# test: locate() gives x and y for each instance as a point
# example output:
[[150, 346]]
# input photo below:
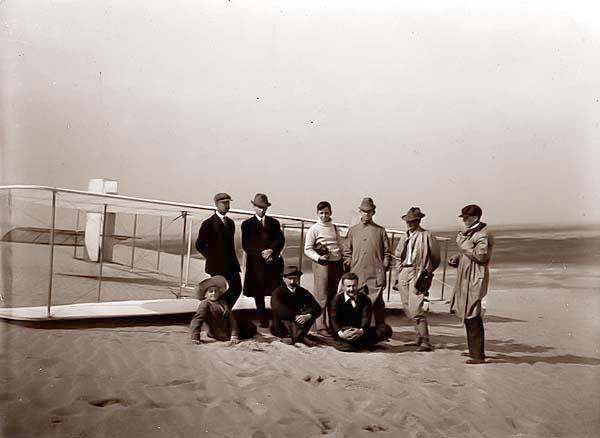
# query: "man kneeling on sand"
[[214, 310], [294, 309], [351, 317]]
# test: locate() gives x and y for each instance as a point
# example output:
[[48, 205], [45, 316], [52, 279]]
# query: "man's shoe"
[[416, 343], [308, 342], [287, 341], [465, 354], [425, 346], [475, 361]]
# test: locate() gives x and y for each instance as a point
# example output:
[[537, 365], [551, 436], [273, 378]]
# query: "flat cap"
[[222, 197], [471, 210]]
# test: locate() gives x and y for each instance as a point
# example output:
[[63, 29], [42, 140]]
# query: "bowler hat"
[[367, 204], [261, 200], [471, 210], [292, 271], [218, 280], [222, 197], [413, 214]]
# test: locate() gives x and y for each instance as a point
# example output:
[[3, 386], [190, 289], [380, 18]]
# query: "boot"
[[424, 335]]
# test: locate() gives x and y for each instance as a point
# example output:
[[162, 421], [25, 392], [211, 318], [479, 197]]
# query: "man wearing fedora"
[[294, 309], [417, 257], [216, 313], [475, 245], [216, 243], [262, 240], [367, 254]]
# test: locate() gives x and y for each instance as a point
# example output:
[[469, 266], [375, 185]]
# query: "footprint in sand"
[[101, 403], [178, 382]]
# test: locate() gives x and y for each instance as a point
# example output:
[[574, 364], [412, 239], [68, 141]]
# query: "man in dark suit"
[[294, 309], [263, 241], [216, 243], [351, 317]]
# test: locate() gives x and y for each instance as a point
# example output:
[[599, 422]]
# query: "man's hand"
[[323, 259], [267, 254], [355, 334], [302, 319], [453, 261]]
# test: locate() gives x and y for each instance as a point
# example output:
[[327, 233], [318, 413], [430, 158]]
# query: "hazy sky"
[[434, 104]]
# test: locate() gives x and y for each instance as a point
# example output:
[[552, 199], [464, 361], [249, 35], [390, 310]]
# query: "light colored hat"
[[261, 200], [413, 214], [218, 280], [367, 204]]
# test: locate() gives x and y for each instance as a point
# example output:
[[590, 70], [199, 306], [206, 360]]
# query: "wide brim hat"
[[261, 200], [471, 210], [413, 214], [218, 280], [367, 204], [292, 271]]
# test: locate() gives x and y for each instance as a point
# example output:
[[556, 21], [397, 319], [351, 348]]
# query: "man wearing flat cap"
[[263, 241], [216, 243], [475, 245], [367, 254], [417, 256], [294, 309], [215, 312]]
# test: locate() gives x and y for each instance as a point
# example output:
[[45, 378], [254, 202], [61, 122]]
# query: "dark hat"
[[222, 197], [471, 210], [218, 280], [367, 204], [413, 214], [261, 200], [292, 271]]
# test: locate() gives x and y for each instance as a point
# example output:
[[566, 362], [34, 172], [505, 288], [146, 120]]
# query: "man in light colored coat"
[[367, 254], [475, 245], [416, 253]]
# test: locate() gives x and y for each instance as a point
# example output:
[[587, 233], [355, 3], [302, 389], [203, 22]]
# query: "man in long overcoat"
[[367, 254], [263, 241], [416, 253], [474, 251], [216, 243]]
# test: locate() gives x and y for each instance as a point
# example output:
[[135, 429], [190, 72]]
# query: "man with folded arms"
[[417, 256], [472, 278], [351, 317], [294, 309], [216, 243], [367, 254]]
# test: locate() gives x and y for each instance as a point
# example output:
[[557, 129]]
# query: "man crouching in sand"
[[351, 317], [294, 309], [215, 311]]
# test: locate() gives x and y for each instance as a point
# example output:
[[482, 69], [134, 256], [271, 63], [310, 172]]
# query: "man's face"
[[291, 282], [350, 287], [260, 211], [469, 221], [212, 293], [413, 225], [366, 216], [223, 206], [324, 214]]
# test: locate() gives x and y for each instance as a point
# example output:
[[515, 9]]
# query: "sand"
[[124, 379]]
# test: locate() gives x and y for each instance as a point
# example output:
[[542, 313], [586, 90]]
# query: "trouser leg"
[[196, 325], [476, 337], [423, 333], [321, 277], [261, 310], [379, 310], [235, 288], [300, 331]]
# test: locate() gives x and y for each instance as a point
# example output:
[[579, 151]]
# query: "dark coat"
[[343, 315], [261, 277], [216, 243], [221, 321], [286, 306]]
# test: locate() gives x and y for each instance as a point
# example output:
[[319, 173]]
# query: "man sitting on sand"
[[294, 309], [351, 316], [215, 311]]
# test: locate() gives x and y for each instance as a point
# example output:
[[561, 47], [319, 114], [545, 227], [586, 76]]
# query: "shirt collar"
[[261, 219], [292, 290], [221, 216], [475, 225], [348, 298]]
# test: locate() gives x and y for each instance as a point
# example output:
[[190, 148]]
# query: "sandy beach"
[[145, 378]]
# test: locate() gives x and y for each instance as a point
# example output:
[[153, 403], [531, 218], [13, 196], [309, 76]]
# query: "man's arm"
[[365, 320], [278, 241], [335, 324], [199, 318], [309, 245], [480, 252], [203, 239], [387, 254], [434, 253], [249, 241], [348, 249], [311, 304]]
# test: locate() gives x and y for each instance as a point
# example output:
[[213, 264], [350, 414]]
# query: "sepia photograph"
[[299, 218]]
